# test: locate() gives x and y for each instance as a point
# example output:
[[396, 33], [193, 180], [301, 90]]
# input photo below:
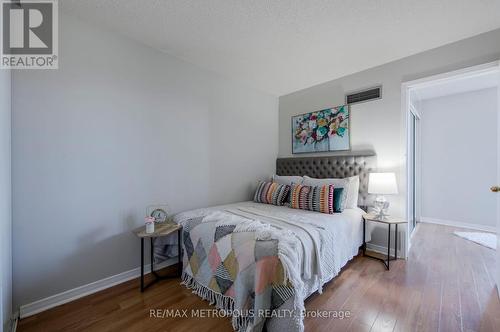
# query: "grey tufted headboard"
[[338, 166]]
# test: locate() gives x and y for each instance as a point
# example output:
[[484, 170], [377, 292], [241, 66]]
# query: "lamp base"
[[380, 207]]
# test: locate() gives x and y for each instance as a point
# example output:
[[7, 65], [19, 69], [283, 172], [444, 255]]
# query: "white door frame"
[[407, 109], [413, 110], [498, 194]]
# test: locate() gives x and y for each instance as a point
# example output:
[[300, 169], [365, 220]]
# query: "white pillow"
[[352, 196], [289, 180], [350, 185]]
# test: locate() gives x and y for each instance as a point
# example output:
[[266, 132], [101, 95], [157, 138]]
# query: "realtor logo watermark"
[[29, 34]]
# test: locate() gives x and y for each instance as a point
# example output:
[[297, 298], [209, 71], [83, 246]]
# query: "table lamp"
[[382, 184]]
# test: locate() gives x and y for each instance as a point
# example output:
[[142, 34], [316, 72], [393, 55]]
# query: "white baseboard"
[[458, 224], [81, 291], [383, 250]]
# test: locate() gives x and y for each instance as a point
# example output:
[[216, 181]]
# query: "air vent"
[[363, 96]]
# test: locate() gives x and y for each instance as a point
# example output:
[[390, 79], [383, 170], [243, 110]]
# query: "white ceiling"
[[461, 85], [284, 46]]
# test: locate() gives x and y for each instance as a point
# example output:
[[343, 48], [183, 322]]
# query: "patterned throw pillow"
[[319, 199], [271, 193]]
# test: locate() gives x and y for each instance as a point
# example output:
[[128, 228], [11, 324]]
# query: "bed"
[[259, 262]]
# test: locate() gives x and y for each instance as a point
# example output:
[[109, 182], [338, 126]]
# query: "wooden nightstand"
[[161, 229], [389, 221]]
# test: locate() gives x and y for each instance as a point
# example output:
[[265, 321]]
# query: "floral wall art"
[[325, 130]]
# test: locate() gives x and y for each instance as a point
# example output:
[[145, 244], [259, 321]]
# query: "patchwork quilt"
[[244, 267]]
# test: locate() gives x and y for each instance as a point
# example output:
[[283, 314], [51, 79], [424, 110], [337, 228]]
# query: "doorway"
[[424, 106]]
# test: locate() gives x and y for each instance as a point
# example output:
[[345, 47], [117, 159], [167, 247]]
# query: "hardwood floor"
[[446, 285]]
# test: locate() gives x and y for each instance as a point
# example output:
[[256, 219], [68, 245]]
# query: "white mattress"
[[345, 228]]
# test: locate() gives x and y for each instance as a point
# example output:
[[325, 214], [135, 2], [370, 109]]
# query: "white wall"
[[379, 124], [5, 201], [459, 158], [117, 127]]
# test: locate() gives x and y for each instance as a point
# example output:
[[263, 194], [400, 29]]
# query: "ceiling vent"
[[364, 95]]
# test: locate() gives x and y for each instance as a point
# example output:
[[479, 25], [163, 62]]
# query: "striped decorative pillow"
[[319, 199], [271, 193]]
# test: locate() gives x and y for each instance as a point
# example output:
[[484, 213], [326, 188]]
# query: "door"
[[413, 122], [411, 178]]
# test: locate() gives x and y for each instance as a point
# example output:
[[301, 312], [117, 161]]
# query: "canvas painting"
[[325, 130]]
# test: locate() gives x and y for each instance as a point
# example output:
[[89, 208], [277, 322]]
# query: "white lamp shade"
[[382, 184]]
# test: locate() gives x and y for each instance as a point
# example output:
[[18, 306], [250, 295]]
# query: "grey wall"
[[458, 159], [118, 127], [5, 200], [379, 124]]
